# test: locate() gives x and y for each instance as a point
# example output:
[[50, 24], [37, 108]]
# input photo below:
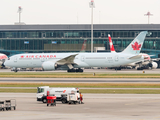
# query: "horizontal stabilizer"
[[136, 57], [152, 55]]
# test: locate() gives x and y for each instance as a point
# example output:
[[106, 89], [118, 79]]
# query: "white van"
[[60, 93]]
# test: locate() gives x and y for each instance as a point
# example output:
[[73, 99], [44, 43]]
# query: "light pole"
[[92, 5], [19, 11]]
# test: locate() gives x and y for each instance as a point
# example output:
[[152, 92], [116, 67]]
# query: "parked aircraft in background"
[[73, 62], [139, 65], [3, 57], [83, 49]]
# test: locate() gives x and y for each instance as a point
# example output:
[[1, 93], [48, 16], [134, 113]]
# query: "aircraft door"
[[82, 58], [15, 59], [116, 58]]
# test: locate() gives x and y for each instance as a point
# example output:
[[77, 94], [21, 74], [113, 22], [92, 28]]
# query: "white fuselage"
[[81, 60]]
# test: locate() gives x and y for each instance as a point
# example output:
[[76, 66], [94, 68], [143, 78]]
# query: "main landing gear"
[[140, 68], [75, 70]]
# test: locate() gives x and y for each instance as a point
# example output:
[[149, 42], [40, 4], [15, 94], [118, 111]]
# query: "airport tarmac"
[[125, 71], [95, 107]]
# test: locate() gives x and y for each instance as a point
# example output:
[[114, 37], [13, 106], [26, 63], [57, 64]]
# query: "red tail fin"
[[84, 46], [111, 43]]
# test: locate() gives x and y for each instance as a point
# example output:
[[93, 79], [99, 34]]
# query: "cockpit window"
[[40, 90]]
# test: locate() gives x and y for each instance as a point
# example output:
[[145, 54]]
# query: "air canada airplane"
[[139, 65], [73, 62]]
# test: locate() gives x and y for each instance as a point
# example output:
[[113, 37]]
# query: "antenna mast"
[[148, 14]]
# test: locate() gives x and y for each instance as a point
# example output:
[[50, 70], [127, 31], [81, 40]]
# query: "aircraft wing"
[[135, 57], [67, 60], [155, 59]]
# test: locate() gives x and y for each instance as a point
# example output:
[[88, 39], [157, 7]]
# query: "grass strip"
[[19, 90], [74, 75], [84, 85], [119, 91], [104, 91]]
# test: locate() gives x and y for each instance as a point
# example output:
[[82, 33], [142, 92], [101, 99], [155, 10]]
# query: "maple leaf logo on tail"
[[136, 46]]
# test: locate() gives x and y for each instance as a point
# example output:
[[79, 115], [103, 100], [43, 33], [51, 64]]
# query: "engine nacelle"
[[48, 66], [150, 64], [154, 65]]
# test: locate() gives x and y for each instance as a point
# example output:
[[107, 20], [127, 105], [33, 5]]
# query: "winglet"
[[135, 46], [111, 44]]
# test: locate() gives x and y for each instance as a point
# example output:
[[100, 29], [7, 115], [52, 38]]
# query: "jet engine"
[[154, 65], [48, 66]]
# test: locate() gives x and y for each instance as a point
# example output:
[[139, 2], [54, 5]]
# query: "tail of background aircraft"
[[135, 46], [111, 44], [83, 49]]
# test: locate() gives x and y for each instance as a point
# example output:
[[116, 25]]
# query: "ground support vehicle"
[[2, 108], [8, 105], [72, 98], [51, 100], [60, 93]]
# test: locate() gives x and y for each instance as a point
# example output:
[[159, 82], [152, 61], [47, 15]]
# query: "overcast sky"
[[78, 11]]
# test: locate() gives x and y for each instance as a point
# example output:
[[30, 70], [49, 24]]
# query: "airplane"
[[83, 49], [73, 62], [140, 65], [3, 57]]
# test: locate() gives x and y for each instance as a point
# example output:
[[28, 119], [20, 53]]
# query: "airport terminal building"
[[16, 39]]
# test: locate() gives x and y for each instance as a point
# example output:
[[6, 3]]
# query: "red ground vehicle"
[[51, 100]]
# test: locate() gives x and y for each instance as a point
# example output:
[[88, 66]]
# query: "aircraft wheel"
[[119, 68], [73, 70], [77, 70], [81, 70]]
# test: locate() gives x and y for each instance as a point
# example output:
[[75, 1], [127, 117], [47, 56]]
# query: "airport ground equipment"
[[72, 98], [8, 105], [51, 100], [2, 108], [60, 93]]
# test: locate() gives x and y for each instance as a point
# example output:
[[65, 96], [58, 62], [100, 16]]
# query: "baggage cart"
[[51, 100]]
